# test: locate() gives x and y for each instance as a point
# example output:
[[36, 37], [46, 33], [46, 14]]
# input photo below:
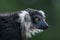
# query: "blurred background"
[[50, 7]]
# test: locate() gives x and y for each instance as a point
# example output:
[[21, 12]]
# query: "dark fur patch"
[[10, 28]]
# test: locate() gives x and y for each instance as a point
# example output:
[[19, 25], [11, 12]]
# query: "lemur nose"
[[44, 27]]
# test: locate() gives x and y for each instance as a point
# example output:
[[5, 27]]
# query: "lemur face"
[[38, 18]]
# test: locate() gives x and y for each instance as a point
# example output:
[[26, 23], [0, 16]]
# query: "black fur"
[[10, 28]]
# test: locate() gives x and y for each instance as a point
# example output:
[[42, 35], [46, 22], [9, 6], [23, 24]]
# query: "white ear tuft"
[[42, 13]]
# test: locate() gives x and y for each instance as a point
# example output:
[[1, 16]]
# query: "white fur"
[[34, 31], [23, 22], [42, 13]]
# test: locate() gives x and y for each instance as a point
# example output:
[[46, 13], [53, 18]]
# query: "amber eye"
[[37, 20]]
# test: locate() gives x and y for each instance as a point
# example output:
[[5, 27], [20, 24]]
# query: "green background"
[[50, 7]]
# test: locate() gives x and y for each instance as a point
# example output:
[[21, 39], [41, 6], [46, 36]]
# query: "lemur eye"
[[37, 20]]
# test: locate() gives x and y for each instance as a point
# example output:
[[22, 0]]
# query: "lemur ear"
[[42, 12]]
